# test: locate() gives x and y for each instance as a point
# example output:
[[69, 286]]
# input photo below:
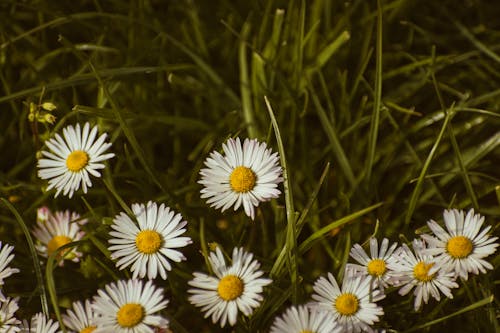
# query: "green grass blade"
[[34, 256], [377, 103], [246, 95], [418, 186], [291, 233], [471, 307], [306, 244]]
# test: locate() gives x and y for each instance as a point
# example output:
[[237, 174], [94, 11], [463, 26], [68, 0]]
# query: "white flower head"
[[60, 229], [246, 175], [376, 264], [303, 319], [149, 244], [353, 307], [73, 159], [463, 245], [129, 306], [40, 324], [5, 271], [235, 287], [420, 270], [81, 318], [9, 323]]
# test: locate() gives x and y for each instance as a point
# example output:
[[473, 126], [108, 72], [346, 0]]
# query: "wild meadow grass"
[[384, 113]]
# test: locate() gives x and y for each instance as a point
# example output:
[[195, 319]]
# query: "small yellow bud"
[[49, 118], [49, 106]]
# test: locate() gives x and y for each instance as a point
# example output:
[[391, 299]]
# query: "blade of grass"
[[246, 96], [306, 244], [337, 148], [291, 234], [374, 124], [471, 307], [34, 256], [54, 258], [418, 186]]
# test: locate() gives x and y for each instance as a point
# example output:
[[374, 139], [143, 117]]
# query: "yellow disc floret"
[[242, 179], [347, 304], [130, 315], [306, 331], [56, 242], [459, 247], [230, 287], [148, 241], [88, 329], [421, 271], [77, 160], [376, 267]]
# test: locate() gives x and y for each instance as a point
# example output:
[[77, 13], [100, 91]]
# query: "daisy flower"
[[353, 307], [149, 244], [374, 265], [303, 319], [5, 271], [60, 229], [40, 324], [9, 323], [246, 175], [235, 287], [420, 270], [73, 158], [129, 307], [462, 246], [81, 318]]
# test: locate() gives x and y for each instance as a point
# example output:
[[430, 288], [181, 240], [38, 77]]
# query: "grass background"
[[388, 113]]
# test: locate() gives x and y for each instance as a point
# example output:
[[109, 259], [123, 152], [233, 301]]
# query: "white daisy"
[[5, 271], [374, 265], [246, 175], [462, 246], [150, 244], [81, 318], [303, 319], [9, 323], [60, 229], [420, 270], [234, 287], [73, 158], [129, 307], [40, 324], [353, 307]]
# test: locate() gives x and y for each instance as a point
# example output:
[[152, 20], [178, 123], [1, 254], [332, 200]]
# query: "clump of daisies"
[[148, 243], [72, 158], [55, 230], [129, 306], [462, 247], [236, 287], [353, 306], [245, 176]]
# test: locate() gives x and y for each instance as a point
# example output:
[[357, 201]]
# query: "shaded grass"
[[401, 99]]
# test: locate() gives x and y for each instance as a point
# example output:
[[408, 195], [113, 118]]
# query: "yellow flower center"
[[56, 242], [347, 304], [77, 160], [306, 331], [130, 315], [242, 179], [148, 241], [230, 287], [459, 247], [421, 271], [88, 329], [376, 267]]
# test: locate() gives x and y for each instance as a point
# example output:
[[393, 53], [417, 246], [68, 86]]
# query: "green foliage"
[[401, 99]]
